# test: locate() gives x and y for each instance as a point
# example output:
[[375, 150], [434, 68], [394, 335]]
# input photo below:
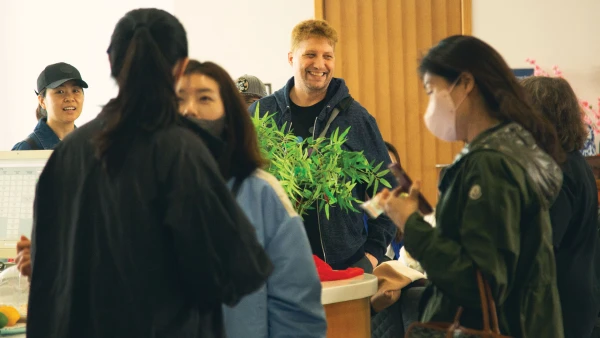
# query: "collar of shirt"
[[46, 136]]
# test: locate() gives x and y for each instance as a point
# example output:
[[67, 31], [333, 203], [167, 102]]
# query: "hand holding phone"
[[404, 184], [373, 207]]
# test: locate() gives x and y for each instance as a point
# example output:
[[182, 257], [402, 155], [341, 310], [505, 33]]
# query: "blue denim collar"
[[44, 135]]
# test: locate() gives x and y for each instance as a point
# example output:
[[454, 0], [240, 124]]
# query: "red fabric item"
[[326, 273]]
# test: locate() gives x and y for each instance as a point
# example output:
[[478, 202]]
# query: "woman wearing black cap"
[[60, 96]]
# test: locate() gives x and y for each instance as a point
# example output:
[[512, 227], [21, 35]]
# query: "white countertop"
[[348, 289], [336, 291]]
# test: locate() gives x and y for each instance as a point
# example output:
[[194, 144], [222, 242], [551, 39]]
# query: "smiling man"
[[309, 100]]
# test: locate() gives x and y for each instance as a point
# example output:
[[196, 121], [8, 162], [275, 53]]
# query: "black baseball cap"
[[56, 74]]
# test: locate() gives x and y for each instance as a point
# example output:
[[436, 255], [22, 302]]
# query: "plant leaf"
[[385, 183]]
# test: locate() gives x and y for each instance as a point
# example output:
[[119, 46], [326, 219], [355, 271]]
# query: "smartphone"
[[404, 184]]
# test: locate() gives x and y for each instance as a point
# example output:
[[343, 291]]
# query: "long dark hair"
[[555, 98], [241, 155], [503, 94], [144, 49]]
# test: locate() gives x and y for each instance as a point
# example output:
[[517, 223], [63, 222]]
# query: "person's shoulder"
[[178, 136], [23, 145], [577, 172], [490, 159], [270, 187], [269, 99], [267, 104], [358, 112], [179, 144], [496, 166], [359, 118], [81, 137], [85, 131], [342, 99]]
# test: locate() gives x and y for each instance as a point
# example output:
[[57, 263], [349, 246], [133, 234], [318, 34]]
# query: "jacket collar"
[[45, 134], [336, 92]]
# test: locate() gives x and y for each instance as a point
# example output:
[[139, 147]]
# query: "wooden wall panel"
[[380, 43]]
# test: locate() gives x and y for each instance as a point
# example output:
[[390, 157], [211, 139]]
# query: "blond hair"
[[313, 28]]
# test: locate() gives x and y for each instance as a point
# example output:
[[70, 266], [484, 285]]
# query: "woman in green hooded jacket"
[[492, 213]]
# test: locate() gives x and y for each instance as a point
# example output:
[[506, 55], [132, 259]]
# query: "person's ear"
[[41, 101], [467, 81]]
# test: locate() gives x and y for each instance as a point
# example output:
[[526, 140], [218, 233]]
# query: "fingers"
[[397, 191], [24, 266], [23, 261], [24, 243], [25, 269], [384, 194], [26, 253]]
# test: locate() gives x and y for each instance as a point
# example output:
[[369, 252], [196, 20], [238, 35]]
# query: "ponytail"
[[146, 101], [40, 112]]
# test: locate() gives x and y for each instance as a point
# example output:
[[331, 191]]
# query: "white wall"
[[244, 36], [253, 37], [32, 38], [553, 32]]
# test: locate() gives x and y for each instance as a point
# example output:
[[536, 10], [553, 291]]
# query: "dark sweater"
[[344, 237], [574, 218]]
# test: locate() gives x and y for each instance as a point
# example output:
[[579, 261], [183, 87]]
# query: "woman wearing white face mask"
[[492, 214]]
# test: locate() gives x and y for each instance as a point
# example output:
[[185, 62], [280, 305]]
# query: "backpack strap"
[[32, 143], [333, 115], [343, 105]]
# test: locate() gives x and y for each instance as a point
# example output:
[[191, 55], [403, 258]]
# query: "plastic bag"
[[14, 290]]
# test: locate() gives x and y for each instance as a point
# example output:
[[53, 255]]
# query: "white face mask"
[[440, 117]]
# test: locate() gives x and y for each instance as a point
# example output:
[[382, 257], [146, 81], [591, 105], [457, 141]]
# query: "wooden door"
[[380, 42]]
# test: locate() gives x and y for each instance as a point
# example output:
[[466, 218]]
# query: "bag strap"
[[488, 308], [32, 143], [345, 103], [484, 301], [492, 306], [334, 114]]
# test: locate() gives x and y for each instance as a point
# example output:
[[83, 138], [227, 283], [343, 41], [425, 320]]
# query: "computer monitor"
[[19, 173]]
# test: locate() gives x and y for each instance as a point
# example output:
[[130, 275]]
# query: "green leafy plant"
[[316, 171]]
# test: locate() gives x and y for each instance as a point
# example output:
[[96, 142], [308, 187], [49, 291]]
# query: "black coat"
[[574, 218], [151, 252]]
